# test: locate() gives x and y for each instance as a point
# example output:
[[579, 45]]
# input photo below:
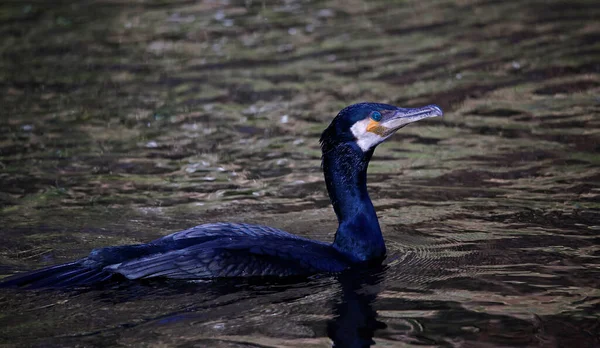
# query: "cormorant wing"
[[228, 229], [237, 257]]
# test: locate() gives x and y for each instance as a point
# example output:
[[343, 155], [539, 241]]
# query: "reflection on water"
[[355, 319], [122, 122]]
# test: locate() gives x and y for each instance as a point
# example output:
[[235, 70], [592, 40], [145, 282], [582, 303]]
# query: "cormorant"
[[242, 250]]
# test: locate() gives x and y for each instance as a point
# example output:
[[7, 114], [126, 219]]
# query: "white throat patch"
[[365, 140]]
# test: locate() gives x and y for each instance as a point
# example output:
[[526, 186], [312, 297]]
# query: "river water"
[[123, 121]]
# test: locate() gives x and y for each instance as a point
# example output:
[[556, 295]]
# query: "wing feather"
[[226, 229], [236, 257]]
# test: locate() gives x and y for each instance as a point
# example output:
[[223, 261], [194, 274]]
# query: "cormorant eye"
[[376, 116]]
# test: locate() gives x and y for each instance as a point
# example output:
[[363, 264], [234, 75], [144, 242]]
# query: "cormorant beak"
[[396, 119]]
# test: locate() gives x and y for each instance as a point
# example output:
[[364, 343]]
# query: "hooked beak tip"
[[436, 110]]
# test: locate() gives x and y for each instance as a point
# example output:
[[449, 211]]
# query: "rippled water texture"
[[122, 121]]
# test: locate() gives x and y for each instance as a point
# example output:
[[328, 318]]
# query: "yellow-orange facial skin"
[[377, 128], [369, 133]]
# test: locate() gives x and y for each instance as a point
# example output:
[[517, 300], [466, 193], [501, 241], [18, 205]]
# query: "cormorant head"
[[369, 124]]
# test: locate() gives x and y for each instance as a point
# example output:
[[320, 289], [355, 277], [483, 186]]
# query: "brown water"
[[123, 121]]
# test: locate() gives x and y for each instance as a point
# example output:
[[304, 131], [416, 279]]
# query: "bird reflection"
[[355, 319]]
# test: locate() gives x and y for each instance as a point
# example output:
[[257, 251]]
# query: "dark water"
[[122, 121]]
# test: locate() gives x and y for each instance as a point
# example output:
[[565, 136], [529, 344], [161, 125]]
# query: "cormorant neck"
[[358, 235]]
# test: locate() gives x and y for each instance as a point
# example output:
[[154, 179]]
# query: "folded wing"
[[236, 257]]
